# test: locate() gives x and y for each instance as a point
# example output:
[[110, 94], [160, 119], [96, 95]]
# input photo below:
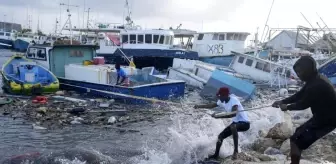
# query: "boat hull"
[[239, 87], [160, 59], [161, 91], [6, 44], [218, 60], [20, 45], [13, 82]]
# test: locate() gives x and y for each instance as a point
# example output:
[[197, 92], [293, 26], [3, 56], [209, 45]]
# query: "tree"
[[40, 33], [26, 30]]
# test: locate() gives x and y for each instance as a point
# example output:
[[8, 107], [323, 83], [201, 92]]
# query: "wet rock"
[[262, 133], [42, 110], [76, 111], [260, 145], [112, 120], [272, 151], [285, 147], [60, 93], [281, 130]]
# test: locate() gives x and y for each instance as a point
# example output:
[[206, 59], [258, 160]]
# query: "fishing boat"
[[70, 63], [328, 69], [23, 76]]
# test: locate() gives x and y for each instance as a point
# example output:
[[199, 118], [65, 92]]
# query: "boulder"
[[285, 147], [260, 145], [282, 130]]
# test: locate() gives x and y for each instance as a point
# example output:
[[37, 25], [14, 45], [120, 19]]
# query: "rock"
[[260, 145], [262, 133], [261, 157], [112, 120], [285, 147], [75, 122], [60, 93], [281, 130], [41, 110], [272, 151]]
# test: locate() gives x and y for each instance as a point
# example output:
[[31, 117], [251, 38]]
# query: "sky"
[[199, 15]]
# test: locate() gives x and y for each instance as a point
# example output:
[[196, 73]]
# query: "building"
[[8, 26]]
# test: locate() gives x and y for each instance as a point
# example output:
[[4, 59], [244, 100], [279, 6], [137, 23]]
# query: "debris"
[[112, 120], [69, 99]]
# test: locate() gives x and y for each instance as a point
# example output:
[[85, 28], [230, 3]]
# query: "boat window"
[[1, 33], [125, 38], [171, 40], [249, 62], [259, 66], [155, 38], [31, 36], [140, 38], [148, 38], [241, 59], [166, 40], [215, 36], [236, 37], [7, 34], [242, 37], [161, 39], [31, 53], [267, 67], [41, 54], [132, 39], [200, 36], [221, 36], [229, 36], [26, 36], [19, 35]]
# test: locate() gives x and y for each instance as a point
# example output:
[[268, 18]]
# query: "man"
[[318, 94], [240, 122], [121, 73]]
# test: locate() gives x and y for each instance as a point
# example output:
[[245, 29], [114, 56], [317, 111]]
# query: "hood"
[[307, 66]]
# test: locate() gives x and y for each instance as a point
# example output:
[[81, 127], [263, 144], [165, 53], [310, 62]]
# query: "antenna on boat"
[[269, 13], [68, 21]]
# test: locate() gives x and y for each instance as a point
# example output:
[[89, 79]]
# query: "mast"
[[68, 22]]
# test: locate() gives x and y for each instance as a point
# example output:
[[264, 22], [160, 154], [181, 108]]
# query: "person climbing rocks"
[[240, 122], [318, 94], [121, 73]]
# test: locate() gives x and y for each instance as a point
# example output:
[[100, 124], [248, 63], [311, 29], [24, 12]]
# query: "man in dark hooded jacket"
[[318, 94]]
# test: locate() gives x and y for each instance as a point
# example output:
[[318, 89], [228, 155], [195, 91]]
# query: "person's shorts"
[[309, 132]]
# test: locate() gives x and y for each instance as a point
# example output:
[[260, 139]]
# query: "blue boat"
[[237, 85], [20, 45], [329, 70], [22, 76], [67, 63]]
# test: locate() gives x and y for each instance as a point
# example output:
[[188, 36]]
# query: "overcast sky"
[[200, 15]]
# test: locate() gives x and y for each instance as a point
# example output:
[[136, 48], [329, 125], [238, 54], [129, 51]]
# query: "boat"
[[70, 64], [147, 47], [215, 47], [23, 76], [328, 69], [210, 78], [6, 40]]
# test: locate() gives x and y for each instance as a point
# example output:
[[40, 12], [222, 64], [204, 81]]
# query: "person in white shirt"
[[240, 121]]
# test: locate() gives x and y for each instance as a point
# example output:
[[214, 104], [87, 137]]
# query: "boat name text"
[[216, 49]]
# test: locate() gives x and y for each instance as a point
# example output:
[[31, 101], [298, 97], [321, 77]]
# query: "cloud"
[[113, 10]]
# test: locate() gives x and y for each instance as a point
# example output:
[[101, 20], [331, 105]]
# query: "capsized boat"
[[23, 76]]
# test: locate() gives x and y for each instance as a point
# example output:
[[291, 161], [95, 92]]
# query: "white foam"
[[194, 136]]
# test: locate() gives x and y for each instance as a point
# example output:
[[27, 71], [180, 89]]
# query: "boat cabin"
[[6, 35], [138, 39], [219, 43], [260, 70]]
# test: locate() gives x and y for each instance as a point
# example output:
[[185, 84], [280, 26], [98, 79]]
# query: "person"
[[240, 123], [121, 74], [318, 94]]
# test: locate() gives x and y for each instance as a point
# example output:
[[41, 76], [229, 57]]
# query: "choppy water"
[[172, 139]]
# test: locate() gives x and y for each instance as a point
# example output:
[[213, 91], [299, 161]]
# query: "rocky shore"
[[273, 146]]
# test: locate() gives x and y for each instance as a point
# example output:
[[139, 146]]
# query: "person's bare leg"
[[295, 153], [235, 141]]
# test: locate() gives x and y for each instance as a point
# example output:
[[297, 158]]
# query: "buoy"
[[283, 92]]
